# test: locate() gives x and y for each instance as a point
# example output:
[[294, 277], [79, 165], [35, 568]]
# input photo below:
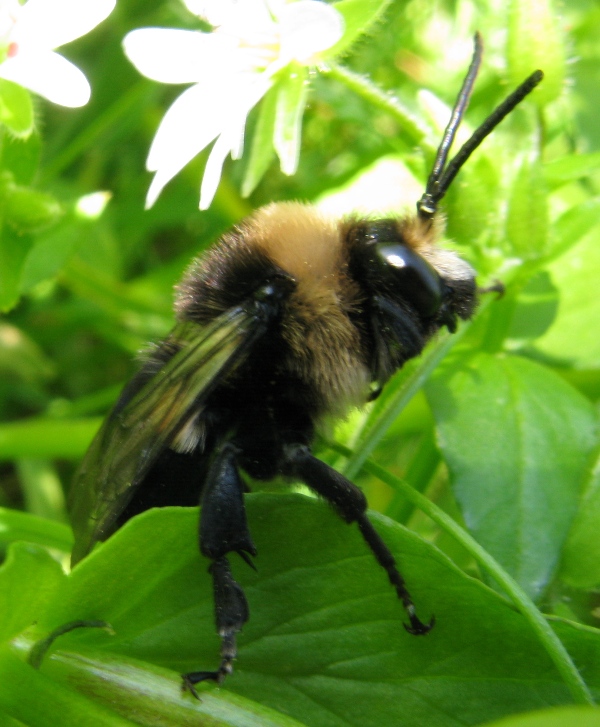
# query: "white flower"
[[231, 68], [28, 36]]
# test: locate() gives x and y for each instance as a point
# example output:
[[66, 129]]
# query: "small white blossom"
[[29, 34], [231, 68]]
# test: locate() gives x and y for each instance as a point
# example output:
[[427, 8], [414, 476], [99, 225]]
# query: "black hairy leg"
[[351, 504], [224, 529]]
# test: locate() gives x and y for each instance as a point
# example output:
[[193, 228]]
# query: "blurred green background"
[[85, 290]]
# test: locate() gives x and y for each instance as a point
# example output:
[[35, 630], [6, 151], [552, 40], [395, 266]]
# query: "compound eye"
[[418, 282]]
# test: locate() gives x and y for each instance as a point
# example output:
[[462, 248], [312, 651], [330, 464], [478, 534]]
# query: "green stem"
[[412, 129], [549, 640]]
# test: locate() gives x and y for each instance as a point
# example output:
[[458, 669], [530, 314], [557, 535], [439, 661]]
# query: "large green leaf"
[[29, 578], [325, 642], [517, 439], [16, 525], [573, 339]]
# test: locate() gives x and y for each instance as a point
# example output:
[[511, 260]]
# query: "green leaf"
[[324, 643], [16, 525], [536, 309], [29, 210], [262, 150], [55, 705], [527, 219], [29, 578], [16, 108], [516, 439], [580, 565], [573, 340], [151, 695], [291, 100], [359, 16], [22, 156], [557, 717], [13, 252], [535, 41], [51, 252], [572, 167]]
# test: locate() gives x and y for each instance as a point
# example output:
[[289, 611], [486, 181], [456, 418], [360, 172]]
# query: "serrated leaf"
[[16, 108], [359, 16], [516, 439], [535, 42], [325, 635]]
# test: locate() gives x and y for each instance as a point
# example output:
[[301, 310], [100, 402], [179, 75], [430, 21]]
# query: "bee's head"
[[413, 286], [398, 261]]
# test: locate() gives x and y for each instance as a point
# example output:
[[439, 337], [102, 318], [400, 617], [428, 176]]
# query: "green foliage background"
[[496, 425]]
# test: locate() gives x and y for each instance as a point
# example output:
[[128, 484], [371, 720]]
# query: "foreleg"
[[351, 504]]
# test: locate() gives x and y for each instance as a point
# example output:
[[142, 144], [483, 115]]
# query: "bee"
[[291, 318]]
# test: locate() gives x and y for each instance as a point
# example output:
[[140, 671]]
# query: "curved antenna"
[[439, 180], [428, 203], [486, 128]]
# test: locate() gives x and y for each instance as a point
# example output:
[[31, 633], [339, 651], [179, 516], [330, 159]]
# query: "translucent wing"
[[136, 432]]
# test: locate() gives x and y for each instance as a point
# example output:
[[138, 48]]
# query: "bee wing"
[[137, 431]]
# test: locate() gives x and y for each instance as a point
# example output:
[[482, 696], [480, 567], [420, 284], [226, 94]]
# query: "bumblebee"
[[291, 318]]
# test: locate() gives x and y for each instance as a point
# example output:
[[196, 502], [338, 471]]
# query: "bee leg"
[[351, 504], [224, 529]]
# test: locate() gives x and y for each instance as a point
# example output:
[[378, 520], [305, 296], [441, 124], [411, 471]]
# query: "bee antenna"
[[427, 205], [440, 179]]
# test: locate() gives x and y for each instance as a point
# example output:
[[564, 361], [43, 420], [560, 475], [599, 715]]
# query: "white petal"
[[232, 138], [309, 27], [50, 75], [212, 172], [194, 119], [202, 112], [179, 56], [52, 23]]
